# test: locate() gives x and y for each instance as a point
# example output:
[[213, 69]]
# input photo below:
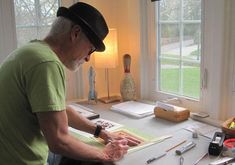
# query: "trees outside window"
[[33, 18], [179, 47]]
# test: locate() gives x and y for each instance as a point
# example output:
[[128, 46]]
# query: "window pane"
[[25, 12], [169, 75], [34, 18], [170, 10], [191, 79], [48, 11], [170, 40], [192, 9], [191, 47], [25, 34]]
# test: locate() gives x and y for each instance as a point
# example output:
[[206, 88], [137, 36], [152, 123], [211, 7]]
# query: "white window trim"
[[215, 59]]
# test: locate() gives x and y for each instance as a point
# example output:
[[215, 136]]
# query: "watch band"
[[98, 131]]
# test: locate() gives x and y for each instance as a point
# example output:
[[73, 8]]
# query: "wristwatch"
[[98, 131]]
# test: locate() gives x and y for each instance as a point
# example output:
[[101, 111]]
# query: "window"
[[215, 60], [179, 47], [34, 18]]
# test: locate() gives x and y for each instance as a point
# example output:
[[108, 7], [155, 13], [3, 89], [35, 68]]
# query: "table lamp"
[[108, 59]]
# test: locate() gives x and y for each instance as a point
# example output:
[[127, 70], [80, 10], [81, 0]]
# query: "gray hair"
[[60, 27]]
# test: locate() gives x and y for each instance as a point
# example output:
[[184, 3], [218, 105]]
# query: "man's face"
[[83, 50]]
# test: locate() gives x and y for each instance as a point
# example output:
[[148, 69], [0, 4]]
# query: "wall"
[[232, 53], [74, 83], [221, 100], [124, 16]]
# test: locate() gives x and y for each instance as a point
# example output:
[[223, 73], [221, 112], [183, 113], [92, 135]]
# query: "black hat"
[[90, 20]]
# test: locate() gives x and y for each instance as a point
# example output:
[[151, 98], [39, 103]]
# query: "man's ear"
[[75, 32]]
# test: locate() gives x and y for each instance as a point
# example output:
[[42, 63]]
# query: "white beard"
[[76, 65]]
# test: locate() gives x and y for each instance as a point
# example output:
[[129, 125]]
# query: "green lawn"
[[190, 84]]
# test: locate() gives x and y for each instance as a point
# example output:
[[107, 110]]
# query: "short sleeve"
[[45, 87]]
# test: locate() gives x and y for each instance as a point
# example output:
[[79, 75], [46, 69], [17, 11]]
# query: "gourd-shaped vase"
[[127, 87]]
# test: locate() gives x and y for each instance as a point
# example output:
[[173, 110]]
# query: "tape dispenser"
[[216, 145]]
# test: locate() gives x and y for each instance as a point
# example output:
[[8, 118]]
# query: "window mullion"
[[181, 46], [38, 15], [159, 49]]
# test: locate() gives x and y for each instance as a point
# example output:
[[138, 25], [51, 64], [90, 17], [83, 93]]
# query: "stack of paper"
[[134, 108], [84, 111], [169, 107]]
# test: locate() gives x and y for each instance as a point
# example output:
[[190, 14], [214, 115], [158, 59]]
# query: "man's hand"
[[115, 150], [108, 136], [132, 141], [81, 123]]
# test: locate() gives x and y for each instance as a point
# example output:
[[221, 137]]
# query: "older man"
[[33, 114]]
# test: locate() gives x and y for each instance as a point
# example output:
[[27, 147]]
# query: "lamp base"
[[110, 99]]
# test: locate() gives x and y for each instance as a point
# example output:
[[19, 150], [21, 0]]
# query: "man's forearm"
[[73, 148], [79, 122], [54, 126]]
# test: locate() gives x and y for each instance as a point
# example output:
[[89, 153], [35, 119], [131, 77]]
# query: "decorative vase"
[[127, 87], [92, 95]]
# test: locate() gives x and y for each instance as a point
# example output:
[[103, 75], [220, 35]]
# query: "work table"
[[158, 127]]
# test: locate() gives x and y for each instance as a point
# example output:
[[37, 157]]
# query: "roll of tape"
[[229, 148]]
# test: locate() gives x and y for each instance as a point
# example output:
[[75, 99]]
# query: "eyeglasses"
[[92, 50], [88, 38]]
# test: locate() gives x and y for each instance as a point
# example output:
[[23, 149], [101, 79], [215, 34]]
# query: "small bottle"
[[127, 87]]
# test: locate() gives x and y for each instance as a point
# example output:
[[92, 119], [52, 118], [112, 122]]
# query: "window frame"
[[213, 64], [149, 61], [181, 22]]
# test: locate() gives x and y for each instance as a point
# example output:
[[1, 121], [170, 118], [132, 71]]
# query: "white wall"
[[74, 82], [231, 110], [123, 15], [7, 29]]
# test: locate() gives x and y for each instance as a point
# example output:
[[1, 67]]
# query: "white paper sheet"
[[134, 108]]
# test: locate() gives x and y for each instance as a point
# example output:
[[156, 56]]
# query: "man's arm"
[[79, 122], [55, 129], [54, 126]]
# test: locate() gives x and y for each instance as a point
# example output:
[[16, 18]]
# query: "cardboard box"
[[178, 115]]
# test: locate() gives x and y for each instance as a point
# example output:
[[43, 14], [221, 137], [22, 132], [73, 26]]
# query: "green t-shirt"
[[31, 80]]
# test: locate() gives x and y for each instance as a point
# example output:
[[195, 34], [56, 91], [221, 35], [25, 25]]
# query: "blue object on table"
[[92, 93]]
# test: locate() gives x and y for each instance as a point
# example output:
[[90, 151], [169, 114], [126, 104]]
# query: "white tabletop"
[[158, 127]]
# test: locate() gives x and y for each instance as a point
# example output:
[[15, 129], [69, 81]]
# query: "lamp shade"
[[108, 58]]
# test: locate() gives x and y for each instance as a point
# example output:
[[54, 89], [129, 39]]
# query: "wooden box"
[[229, 131], [178, 115]]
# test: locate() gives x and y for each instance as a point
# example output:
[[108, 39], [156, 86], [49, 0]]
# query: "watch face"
[[98, 130]]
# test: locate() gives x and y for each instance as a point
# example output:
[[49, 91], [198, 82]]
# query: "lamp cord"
[[107, 79]]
